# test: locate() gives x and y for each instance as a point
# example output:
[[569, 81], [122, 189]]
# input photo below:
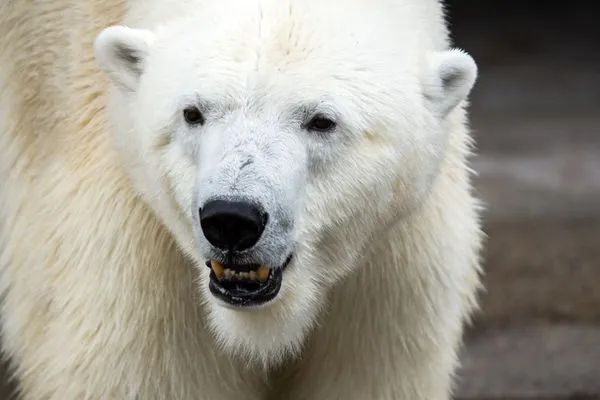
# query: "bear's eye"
[[321, 123], [193, 116]]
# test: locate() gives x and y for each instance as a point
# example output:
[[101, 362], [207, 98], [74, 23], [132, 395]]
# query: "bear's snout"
[[232, 225]]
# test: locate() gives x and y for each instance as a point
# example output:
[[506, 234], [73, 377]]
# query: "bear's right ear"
[[121, 52]]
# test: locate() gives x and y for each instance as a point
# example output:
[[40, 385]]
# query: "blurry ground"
[[536, 118], [535, 113]]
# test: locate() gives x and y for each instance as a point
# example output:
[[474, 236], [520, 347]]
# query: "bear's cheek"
[[178, 174]]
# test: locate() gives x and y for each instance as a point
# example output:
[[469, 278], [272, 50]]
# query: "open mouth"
[[245, 285]]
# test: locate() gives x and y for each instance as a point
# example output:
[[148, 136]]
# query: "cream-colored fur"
[[101, 298]]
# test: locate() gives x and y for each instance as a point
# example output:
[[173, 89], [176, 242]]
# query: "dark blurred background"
[[535, 116]]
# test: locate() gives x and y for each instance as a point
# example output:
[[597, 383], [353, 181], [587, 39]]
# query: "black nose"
[[232, 225]]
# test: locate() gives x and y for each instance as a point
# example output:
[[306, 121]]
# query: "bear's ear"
[[451, 76], [121, 52]]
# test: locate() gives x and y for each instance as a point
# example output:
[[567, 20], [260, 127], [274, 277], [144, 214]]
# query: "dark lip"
[[244, 293]]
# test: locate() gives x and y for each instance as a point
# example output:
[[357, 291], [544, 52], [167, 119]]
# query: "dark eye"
[[193, 116], [321, 123]]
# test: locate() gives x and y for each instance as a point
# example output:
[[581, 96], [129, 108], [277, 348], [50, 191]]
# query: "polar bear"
[[234, 199]]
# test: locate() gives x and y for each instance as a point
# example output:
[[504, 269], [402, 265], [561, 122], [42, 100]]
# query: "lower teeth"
[[262, 273]]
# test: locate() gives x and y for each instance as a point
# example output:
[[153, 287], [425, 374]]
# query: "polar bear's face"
[[276, 150]]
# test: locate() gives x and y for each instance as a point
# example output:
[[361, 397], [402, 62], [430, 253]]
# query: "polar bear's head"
[[276, 143]]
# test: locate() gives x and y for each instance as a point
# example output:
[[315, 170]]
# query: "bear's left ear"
[[121, 52], [451, 76]]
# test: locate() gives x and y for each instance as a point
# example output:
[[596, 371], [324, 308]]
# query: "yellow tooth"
[[218, 268], [263, 273]]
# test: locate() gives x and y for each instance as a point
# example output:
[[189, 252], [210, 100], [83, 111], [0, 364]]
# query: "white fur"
[[115, 43], [101, 254]]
